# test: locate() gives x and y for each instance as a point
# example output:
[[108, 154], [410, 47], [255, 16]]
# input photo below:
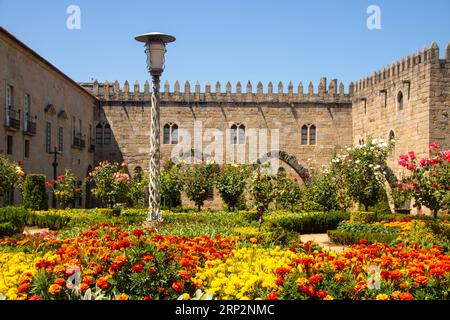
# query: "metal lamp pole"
[[155, 44]]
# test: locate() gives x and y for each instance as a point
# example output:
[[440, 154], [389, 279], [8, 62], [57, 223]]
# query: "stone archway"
[[289, 160]]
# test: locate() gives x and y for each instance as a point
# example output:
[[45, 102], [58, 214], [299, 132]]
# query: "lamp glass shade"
[[155, 55]]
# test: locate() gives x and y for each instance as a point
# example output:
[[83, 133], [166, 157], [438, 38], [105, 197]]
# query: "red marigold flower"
[[178, 286], [54, 289], [84, 287], [282, 271], [315, 279], [152, 269], [272, 296], [148, 298], [321, 294], [138, 232], [23, 288], [309, 290], [35, 298], [137, 268], [362, 241], [102, 283], [183, 274], [279, 281], [406, 296], [147, 257]]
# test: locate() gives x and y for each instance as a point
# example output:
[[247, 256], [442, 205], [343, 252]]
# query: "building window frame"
[[400, 100], [308, 134], [237, 133], [9, 144], [170, 133], [61, 139], [48, 136], [26, 148]]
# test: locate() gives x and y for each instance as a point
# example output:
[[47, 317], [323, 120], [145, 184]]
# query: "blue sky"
[[256, 40]]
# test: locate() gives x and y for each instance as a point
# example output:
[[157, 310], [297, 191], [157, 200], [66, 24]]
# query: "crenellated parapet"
[[332, 93], [401, 68]]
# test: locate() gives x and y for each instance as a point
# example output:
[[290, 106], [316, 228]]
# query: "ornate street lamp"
[[155, 48]]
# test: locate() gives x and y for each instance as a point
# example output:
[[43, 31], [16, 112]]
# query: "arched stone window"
[[400, 100], [237, 133], [107, 134], [170, 133], [99, 134], [312, 135], [309, 134]]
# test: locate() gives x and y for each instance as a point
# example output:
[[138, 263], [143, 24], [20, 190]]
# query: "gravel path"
[[323, 240]]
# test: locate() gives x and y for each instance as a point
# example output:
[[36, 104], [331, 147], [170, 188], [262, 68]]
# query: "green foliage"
[[399, 197], [360, 171], [199, 180], [289, 194], [171, 184], [47, 220], [326, 192], [111, 183], [34, 195], [12, 220], [263, 190], [11, 175], [231, 185], [307, 222], [363, 216], [138, 189], [351, 237]]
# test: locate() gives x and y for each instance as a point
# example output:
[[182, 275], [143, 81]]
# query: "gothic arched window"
[[107, 134], [400, 100], [312, 135], [170, 133], [99, 134], [237, 133], [309, 134], [305, 134]]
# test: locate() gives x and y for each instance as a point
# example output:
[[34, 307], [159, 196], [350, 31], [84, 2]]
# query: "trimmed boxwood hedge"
[[13, 220], [350, 237], [306, 222], [34, 195]]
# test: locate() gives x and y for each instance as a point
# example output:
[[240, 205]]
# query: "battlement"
[[333, 93], [401, 68]]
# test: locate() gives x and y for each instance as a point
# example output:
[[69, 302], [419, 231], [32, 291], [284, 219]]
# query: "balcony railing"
[[29, 127], [13, 119], [78, 141]]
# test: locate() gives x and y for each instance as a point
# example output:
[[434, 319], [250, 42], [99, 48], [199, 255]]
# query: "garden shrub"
[[199, 180], [351, 237], [11, 175], [34, 195], [231, 184], [65, 189], [249, 216], [363, 217], [289, 193], [308, 222], [47, 219], [13, 220], [171, 184]]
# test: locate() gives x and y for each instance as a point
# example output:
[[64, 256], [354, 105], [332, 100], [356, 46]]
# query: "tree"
[[199, 182], [360, 170], [11, 175], [428, 181], [231, 184], [289, 194], [171, 184], [34, 195], [262, 187], [325, 192], [111, 183]]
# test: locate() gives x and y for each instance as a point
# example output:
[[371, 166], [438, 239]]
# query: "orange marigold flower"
[[183, 274], [395, 294], [35, 298], [339, 277], [406, 296], [122, 296], [88, 280], [120, 259], [178, 286], [54, 289], [60, 281], [23, 288], [59, 269], [421, 280], [301, 281], [84, 287], [102, 283], [382, 296], [148, 298], [253, 240], [147, 257]]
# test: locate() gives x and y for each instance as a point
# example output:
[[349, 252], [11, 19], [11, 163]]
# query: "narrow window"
[[26, 151], [107, 134], [312, 135], [48, 136], [60, 139], [391, 135], [400, 101], [9, 144], [9, 103], [233, 134], [241, 134], [305, 134], [174, 134], [99, 134], [26, 111], [166, 134]]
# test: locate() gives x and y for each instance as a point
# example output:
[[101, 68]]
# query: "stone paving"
[[323, 240]]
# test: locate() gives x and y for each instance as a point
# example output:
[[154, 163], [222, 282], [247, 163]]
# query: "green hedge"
[[350, 237], [13, 220], [306, 222], [34, 195], [43, 220], [269, 237]]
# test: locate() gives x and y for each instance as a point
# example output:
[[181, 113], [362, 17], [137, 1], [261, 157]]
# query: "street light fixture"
[[155, 48]]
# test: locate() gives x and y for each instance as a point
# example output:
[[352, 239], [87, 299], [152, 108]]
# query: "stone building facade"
[[409, 100], [43, 109]]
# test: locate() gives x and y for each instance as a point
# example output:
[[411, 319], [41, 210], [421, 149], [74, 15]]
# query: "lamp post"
[[155, 48], [55, 153]]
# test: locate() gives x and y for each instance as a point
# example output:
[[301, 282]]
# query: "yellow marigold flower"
[[328, 297], [382, 296], [301, 281], [122, 296]]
